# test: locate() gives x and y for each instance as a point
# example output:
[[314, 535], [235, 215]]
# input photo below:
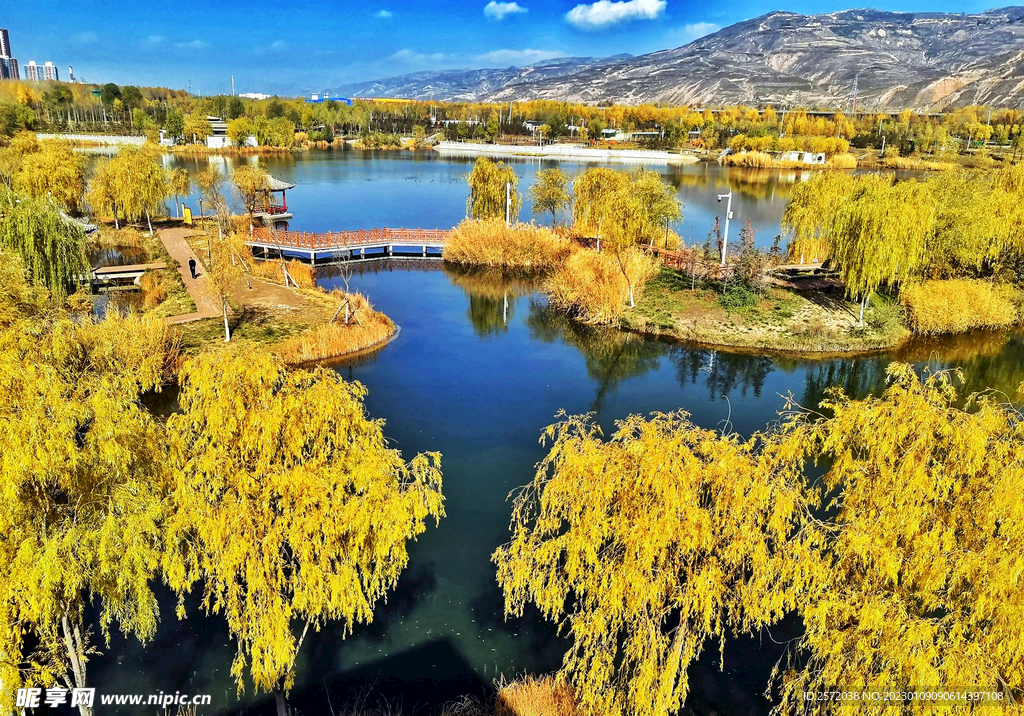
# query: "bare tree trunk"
[[282, 705], [224, 308], [863, 304], [76, 654], [150, 222]]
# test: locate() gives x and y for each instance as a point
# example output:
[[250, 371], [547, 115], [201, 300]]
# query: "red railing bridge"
[[346, 244]]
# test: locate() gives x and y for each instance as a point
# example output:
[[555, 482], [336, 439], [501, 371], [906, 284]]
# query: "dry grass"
[[273, 271], [535, 696], [490, 243], [593, 286], [153, 289], [958, 305], [109, 237], [753, 160], [843, 161], [366, 328], [914, 163]]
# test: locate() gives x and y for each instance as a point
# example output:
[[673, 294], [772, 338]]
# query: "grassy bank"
[[781, 320], [301, 324]]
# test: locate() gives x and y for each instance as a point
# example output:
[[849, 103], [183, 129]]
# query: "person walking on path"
[[192, 268]]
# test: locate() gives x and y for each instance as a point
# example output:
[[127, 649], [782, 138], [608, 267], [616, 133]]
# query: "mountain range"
[[887, 60]]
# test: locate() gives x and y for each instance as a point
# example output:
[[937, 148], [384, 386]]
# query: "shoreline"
[[808, 350], [564, 152]]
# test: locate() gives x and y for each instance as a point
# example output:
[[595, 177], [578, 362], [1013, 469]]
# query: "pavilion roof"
[[278, 185]]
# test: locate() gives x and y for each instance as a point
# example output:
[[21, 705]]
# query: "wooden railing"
[[342, 239]]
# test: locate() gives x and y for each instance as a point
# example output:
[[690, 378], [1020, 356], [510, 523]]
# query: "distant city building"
[[71, 74], [317, 98], [254, 95], [8, 65], [32, 71], [50, 71]]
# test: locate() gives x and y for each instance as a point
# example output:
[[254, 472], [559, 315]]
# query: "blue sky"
[[294, 47]]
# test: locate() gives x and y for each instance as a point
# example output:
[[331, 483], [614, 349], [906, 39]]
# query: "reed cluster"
[[366, 328], [488, 242], [535, 696], [914, 164], [153, 289], [595, 287], [843, 161], [958, 305], [753, 160]]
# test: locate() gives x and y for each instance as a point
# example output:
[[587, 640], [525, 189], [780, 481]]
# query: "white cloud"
[[518, 58], [384, 14], [412, 57], [604, 13], [85, 38], [688, 33], [499, 10], [276, 46], [193, 45], [154, 40]]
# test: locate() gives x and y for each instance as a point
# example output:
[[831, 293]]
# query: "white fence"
[[565, 152], [111, 139]]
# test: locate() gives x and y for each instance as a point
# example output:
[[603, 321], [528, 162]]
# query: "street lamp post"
[[728, 215]]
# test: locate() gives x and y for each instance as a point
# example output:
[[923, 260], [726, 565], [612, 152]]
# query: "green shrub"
[[737, 295]]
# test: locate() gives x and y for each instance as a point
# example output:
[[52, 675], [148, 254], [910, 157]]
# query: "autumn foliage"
[[958, 305], [489, 242], [902, 560], [595, 288]]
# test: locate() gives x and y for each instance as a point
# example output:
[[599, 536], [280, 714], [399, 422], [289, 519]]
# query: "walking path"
[[201, 289]]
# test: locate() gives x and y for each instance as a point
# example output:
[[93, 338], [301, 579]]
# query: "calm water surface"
[[478, 379]]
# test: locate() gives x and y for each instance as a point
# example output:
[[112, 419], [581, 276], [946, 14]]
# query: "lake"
[[480, 367]]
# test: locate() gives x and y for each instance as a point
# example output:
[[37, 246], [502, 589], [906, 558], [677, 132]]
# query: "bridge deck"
[[127, 269], [313, 244]]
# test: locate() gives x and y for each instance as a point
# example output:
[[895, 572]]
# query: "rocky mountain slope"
[[471, 85], [926, 61]]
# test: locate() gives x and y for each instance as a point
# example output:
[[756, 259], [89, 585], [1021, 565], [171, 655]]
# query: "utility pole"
[[508, 203], [728, 215]]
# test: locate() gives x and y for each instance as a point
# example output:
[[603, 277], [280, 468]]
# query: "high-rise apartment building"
[[50, 71], [32, 71], [8, 65]]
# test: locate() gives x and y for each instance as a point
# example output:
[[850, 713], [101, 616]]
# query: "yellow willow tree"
[[807, 218], [179, 184], [102, 196], [252, 182], [875, 232], [139, 182], [224, 268], [880, 234], [588, 189], [549, 192], [80, 502], [922, 552], [55, 172], [50, 245], [288, 506], [645, 546], [493, 191]]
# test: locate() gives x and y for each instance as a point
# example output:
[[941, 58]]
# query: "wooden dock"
[[359, 243], [114, 276]]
